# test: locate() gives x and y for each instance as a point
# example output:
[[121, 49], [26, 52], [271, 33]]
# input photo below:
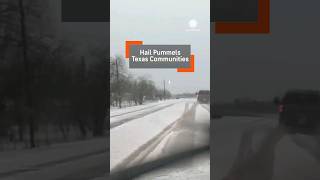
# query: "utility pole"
[[118, 83], [164, 89], [28, 75]]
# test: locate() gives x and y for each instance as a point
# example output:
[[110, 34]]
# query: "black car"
[[299, 111], [204, 97]]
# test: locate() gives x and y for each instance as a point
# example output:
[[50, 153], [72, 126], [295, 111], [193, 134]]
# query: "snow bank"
[[138, 111]]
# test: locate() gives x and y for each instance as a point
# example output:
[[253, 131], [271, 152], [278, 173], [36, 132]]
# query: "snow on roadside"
[[118, 111], [25, 159], [125, 114], [127, 138]]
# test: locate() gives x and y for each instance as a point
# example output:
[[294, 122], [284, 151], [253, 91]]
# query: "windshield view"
[[159, 90], [160, 107]]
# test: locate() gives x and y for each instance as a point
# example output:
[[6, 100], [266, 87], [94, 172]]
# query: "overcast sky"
[[165, 22], [154, 22], [257, 66]]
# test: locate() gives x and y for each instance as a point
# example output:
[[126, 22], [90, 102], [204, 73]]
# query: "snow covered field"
[[49, 162]]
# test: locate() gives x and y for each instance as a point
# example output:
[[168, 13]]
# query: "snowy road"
[[296, 157], [290, 161], [191, 132], [182, 126], [129, 139], [177, 126]]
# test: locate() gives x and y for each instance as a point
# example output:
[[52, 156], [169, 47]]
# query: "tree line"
[[48, 91], [130, 90]]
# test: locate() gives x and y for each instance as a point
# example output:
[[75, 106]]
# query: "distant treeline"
[[48, 91], [186, 95], [126, 89]]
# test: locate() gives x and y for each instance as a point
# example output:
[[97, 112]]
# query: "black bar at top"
[[234, 10], [85, 10]]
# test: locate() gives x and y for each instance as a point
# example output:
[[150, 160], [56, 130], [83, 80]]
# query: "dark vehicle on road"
[[204, 97], [299, 111]]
